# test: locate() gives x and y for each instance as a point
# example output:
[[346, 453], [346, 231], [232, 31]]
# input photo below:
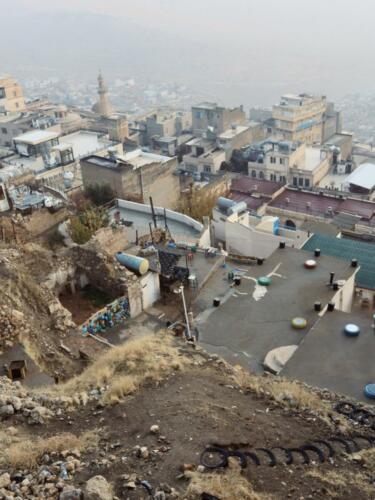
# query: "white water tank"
[[68, 179]]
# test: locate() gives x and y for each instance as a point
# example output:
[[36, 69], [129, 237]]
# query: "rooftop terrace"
[[323, 205], [328, 358], [252, 320], [348, 250]]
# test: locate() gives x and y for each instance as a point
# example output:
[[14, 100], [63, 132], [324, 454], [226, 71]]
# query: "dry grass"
[[368, 457], [338, 482], [24, 451], [228, 485], [286, 392], [125, 368]]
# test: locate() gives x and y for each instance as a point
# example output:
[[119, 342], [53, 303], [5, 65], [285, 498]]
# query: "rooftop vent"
[[317, 252], [331, 306], [331, 277], [282, 244], [354, 263]]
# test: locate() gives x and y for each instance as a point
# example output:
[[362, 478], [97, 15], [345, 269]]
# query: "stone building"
[[11, 95], [135, 176], [306, 118], [208, 117]]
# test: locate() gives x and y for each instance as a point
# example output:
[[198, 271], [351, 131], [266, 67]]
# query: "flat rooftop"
[[323, 205], [206, 105], [253, 202], [348, 249], [338, 139], [84, 142], [34, 137], [139, 158], [233, 132], [329, 359], [253, 320], [141, 221], [249, 185], [363, 176]]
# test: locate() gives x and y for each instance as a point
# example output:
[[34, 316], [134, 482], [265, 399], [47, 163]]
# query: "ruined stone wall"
[[111, 240]]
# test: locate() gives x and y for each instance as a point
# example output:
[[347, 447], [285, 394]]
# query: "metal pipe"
[[153, 212], [185, 311]]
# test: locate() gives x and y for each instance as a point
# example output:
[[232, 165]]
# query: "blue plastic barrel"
[[352, 330], [132, 262], [369, 391]]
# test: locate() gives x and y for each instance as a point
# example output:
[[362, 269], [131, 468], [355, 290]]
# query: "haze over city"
[[187, 250], [247, 51]]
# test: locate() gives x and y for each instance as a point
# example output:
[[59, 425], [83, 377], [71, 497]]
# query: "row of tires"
[[214, 457]]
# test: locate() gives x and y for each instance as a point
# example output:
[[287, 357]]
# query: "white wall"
[[249, 242], [150, 284], [140, 207]]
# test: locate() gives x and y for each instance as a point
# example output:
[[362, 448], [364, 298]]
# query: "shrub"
[[100, 193]]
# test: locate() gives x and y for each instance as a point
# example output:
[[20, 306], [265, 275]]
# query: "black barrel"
[[317, 252], [237, 280], [331, 307], [216, 302], [282, 244], [318, 306]]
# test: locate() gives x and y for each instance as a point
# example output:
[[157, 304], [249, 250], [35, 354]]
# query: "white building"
[[243, 234]]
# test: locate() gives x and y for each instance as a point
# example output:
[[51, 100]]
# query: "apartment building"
[[11, 95], [209, 118], [304, 118], [287, 162], [135, 176]]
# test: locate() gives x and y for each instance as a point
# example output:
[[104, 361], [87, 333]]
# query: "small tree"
[[198, 203], [79, 232], [83, 226]]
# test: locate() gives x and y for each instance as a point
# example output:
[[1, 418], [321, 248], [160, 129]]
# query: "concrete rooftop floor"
[[252, 320]]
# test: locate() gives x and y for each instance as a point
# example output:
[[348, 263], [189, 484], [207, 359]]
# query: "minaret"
[[105, 109]]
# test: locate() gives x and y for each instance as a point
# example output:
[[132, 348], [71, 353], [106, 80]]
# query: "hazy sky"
[[247, 49]]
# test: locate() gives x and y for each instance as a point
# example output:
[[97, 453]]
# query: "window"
[[273, 159], [3, 130], [307, 183], [17, 105], [2, 93], [261, 175], [253, 173], [207, 169], [282, 178], [281, 160], [294, 181], [300, 181]]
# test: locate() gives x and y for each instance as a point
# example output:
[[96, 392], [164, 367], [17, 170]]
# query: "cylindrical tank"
[[68, 179], [238, 207], [132, 262], [225, 202]]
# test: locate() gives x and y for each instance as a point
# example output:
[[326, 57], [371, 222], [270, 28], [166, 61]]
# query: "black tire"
[[240, 455], [253, 456], [271, 456], [306, 458], [222, 458], [314, 449], [343, 443], [330, 449]]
